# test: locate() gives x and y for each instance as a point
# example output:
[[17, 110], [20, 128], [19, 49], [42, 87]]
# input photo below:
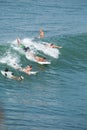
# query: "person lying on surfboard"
[[27, 69], [11, 75], [37, 58], [21, 45], [52, 46], [40, 59]]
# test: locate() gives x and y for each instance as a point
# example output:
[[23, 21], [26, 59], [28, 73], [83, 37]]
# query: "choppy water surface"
[[55, 98]]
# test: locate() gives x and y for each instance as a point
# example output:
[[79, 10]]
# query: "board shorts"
[[26, 49]]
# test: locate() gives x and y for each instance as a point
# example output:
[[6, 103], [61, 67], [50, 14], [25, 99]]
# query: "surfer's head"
[[51, 44], [30, 66], [44, 58]]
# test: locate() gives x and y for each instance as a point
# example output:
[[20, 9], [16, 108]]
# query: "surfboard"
[[33, 72], [9, 74], [44, 63], [30, 73]]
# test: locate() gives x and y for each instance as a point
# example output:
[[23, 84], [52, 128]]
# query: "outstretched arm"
[[53, 46], [57, 46], [18, 41]]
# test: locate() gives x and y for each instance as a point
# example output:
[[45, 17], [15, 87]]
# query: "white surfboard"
[[30, 73], [9, 74], [33, 72], [44, 63]]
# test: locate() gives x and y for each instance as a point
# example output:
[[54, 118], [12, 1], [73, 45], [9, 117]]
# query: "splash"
[[40, 46], [53, 52], [37, 46], [15, 46], [10, 59]]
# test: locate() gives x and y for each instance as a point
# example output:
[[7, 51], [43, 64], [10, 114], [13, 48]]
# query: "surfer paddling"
[[27, 69], [11, 75], [40, 59], [37, 58]]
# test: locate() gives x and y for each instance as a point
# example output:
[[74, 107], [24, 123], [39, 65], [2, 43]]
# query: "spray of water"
[[41, 47]]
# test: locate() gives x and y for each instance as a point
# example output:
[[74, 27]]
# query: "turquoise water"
[[55, 98]]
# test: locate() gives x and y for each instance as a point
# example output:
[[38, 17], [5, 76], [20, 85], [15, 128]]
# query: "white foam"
[[36, 46], [53, 52], [10, 59]]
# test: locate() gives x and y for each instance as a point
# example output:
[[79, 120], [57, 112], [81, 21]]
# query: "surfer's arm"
[[54, 46], [57, 47], [18, 41]]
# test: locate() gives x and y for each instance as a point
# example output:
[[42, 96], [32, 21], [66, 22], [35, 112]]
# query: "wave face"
[[58, 85], [55, 98]]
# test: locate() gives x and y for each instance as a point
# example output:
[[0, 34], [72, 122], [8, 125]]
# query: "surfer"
[[27, 69], [41, 33], [7, 70], [40, 59], [21, 45], [11, 75], [37, 58]]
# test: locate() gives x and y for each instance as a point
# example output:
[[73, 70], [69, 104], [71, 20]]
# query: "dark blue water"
[[55, 98]]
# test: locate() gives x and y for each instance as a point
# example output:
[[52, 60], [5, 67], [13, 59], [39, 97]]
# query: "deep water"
[[55, 98]]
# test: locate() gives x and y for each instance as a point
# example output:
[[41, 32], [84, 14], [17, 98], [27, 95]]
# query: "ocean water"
[[55, 98]]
